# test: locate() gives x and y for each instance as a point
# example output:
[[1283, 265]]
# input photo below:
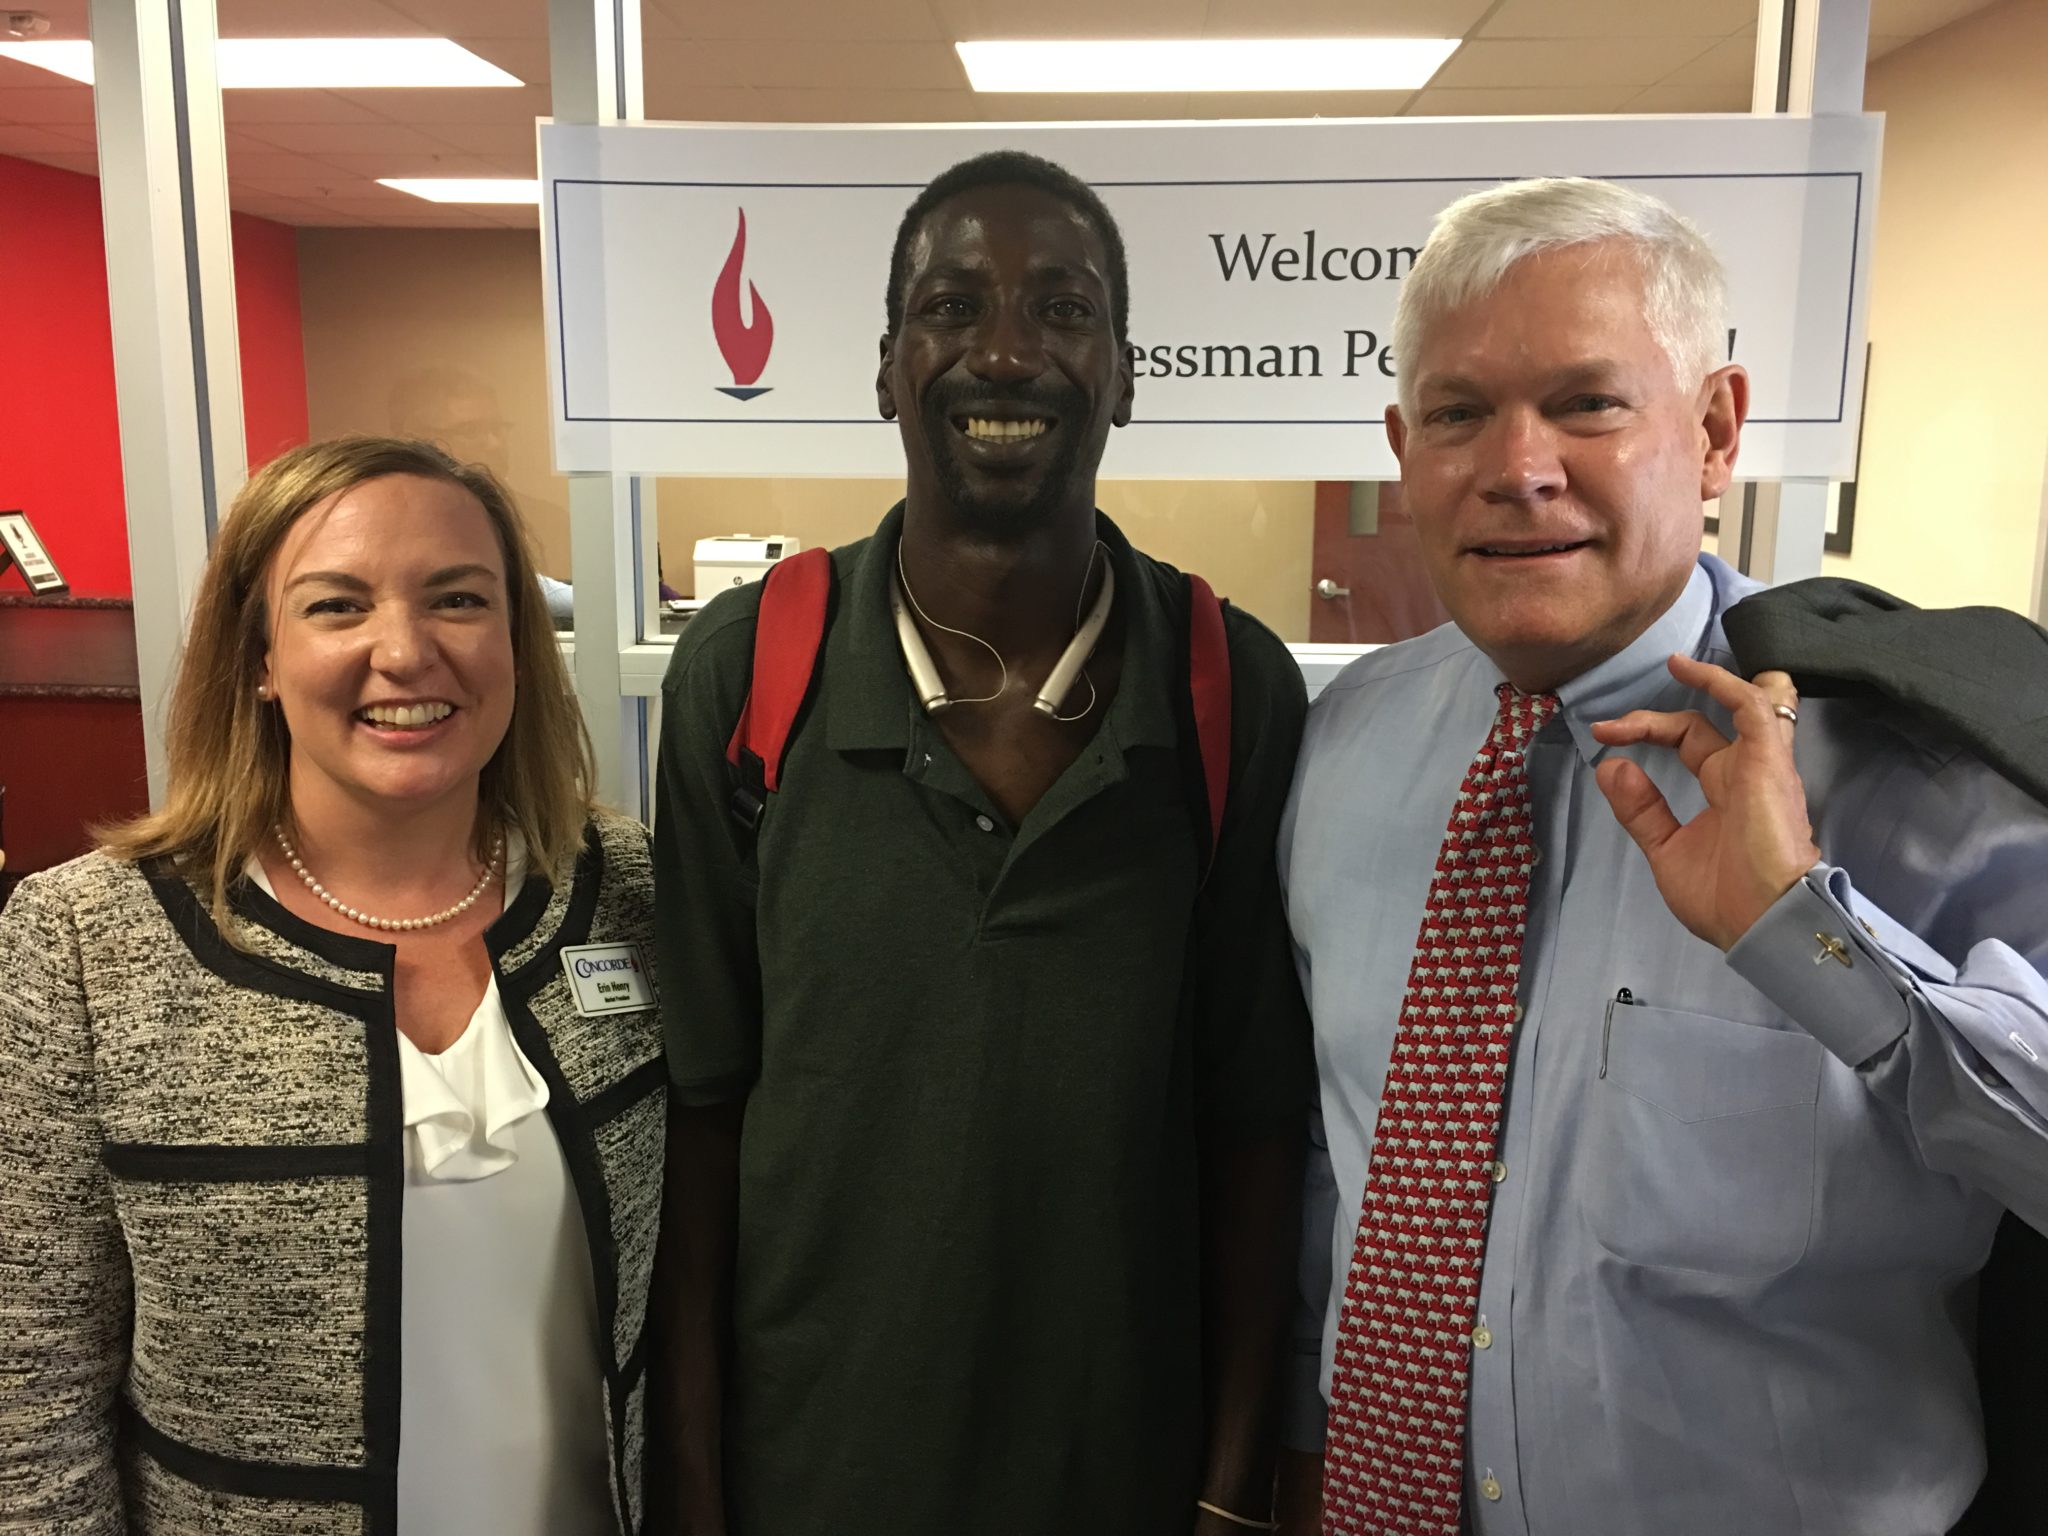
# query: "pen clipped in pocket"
[[1622, 999]]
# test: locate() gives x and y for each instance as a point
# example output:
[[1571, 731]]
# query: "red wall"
[[60, 436], [70, 762], [272, 342]]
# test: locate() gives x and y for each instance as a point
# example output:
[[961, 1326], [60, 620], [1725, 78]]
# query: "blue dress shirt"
[[1729, 1277]]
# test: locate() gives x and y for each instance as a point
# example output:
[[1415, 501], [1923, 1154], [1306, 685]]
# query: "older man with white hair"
[[1659, 1165]]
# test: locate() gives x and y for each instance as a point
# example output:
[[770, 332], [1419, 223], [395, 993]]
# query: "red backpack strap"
[[788, 633], [1209, 691]]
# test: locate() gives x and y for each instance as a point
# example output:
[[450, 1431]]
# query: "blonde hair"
[[1480, 236], [229, 754]]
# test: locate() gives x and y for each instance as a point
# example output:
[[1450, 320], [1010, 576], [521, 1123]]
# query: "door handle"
[[1329, 591]]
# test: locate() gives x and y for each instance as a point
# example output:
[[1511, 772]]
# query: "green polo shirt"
[[976, 1057]]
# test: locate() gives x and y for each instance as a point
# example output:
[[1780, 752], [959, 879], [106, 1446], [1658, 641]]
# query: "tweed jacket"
[[201, 1178]]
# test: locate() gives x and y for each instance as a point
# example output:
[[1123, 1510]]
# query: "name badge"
[[607, 978]]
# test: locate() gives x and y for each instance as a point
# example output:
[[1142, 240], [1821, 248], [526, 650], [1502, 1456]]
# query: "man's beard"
[[993, 510]]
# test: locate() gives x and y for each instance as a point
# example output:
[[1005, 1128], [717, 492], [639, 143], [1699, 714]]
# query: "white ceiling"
[[312, 157]]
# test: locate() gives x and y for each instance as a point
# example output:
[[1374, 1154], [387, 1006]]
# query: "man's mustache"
[[954, 397]]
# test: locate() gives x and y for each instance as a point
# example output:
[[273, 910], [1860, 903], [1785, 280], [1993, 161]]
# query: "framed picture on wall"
[[19, 546]]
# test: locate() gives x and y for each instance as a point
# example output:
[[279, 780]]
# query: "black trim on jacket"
[[246, 1479]]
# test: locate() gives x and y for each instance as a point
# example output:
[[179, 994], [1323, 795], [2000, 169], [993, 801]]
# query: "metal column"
[[594, 54], [1810, 57], [171, 299]]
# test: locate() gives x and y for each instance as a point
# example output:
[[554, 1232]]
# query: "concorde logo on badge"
[[607, 978]]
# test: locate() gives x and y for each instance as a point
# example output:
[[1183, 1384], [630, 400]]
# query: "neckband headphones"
[[931, 688]]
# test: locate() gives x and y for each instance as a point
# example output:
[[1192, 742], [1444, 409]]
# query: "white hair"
[[1479, 237]]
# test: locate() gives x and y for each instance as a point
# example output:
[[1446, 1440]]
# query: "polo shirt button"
[[1489, 1488], [985, 823]]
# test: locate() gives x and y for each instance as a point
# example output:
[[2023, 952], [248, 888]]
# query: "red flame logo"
[[746, 347]]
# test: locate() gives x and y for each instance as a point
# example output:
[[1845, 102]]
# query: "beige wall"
[[439, 332], [1955, 438], [1249, 537], [436, 331]]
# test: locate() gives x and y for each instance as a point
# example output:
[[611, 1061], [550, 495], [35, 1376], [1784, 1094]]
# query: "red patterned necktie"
[[1394, 1459]]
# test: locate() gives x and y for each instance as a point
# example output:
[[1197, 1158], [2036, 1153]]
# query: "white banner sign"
[[715, 294]]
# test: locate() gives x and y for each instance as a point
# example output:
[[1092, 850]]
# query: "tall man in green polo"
[[986, 1106]]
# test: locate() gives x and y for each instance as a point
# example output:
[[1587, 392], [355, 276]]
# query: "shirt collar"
[[872, 703], [1637, 676]]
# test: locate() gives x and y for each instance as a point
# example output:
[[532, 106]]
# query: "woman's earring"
[[263, 692]]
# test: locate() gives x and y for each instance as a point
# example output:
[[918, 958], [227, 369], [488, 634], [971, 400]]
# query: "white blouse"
[[501, 1427]]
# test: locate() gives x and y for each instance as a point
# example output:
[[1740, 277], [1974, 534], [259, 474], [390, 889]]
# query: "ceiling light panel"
[[305, 63], [1207, 64], [459, 189]]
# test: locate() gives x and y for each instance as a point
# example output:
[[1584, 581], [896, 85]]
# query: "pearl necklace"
[[393, 924]]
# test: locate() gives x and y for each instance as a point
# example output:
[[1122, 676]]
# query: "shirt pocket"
[[1703, 1143]]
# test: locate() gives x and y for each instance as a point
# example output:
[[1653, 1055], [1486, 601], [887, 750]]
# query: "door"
[[1366, 577]]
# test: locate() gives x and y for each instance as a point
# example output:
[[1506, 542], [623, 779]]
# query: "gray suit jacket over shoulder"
[[201, 1177]]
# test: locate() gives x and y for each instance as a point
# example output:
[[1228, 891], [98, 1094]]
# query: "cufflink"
[[1832, 948]]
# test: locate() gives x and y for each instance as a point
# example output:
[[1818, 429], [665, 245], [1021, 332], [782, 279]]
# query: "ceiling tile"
[[780, 106], [821, 65], [656, 23], [444, 217], [1879, 47], [344, 138], [513, 218], [972, 20], [30, 139], [240, 143], [1343, 18], [478, 18], [373, 201], [313, 18], [1221, 106], [703, 104], [429, 109], [248, 108], [1916, 18], [51, 106], [276, 165], [372, 167], [801, 20], [1600, 20], [672, 61], [1690, 98], [307, 188], [1732, 62], [492, 139], [285, 210], [1615, 61], [1522, 101], [1029, 107]]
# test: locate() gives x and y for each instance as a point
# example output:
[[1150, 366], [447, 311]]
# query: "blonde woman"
[[331, 1107]]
